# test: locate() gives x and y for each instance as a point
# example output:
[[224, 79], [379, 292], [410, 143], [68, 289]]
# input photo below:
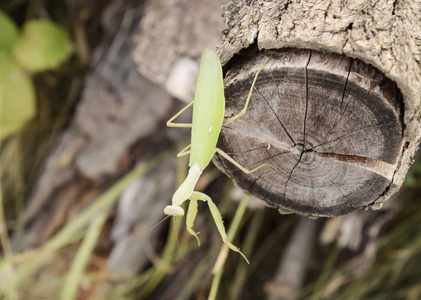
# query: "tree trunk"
[[335, 128]]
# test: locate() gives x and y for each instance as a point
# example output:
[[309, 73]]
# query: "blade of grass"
[[164, 264], [324, 276], [188, 290], [4, 237], [82, 257], [275, 237], [251, 236], [161, 269], [73, 228], [220, 261]]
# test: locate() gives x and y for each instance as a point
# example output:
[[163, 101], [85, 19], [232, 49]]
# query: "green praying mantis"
[[208, 118]]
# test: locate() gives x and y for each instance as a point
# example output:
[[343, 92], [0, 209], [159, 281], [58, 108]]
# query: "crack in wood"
[[271, 183], [343, 110], [380, 167], [246, 151], [276, 115], [267, 140], [254, 182], [342, 194], [319, 122], [339, 120], [276, 155], [312, 187], [289, 177], [342, 100], [352, 133], [279, 97], [346, 82], [306, 88]]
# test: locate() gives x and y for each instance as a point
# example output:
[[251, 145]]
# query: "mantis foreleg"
[[231, 160], [216, 217], [244, 110]]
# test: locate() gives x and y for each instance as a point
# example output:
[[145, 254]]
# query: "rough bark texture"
[[171, 39], [385, 34]]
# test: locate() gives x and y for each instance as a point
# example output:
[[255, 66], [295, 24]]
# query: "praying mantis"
[[208, 118]]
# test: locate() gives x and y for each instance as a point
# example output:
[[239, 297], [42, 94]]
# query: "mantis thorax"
[[187, 187]]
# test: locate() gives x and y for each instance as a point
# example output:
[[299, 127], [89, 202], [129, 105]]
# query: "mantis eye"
[[175, 211]]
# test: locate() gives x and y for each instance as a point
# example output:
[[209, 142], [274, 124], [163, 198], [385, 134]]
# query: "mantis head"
[[183, 193], [173, 210]]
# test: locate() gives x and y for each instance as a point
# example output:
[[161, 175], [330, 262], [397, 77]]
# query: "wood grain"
[[385, 34], [331, 125]]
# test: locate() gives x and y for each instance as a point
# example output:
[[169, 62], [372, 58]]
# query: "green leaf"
[[9, 32], [43, 45], [17, 97]]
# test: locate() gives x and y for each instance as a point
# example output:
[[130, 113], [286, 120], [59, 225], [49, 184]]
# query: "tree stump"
[[331, 125], [331, 119]]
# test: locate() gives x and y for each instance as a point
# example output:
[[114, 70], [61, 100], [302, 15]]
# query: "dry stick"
[[220, 261]]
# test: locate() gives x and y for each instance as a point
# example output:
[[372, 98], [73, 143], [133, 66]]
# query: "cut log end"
[[331, 126]]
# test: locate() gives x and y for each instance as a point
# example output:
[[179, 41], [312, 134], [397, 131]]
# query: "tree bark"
[[384, 34], [172, 36]]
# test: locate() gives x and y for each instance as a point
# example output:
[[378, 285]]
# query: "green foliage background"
[[41, 45]]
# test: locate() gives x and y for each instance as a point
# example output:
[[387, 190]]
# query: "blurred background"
[[87, 166]]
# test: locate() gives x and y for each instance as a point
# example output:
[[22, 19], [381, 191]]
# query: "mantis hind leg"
[[231, 160], [184, 152], [217, 218], [170, 122], [244, 110]]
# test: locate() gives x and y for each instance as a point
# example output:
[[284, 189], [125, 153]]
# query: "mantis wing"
[[208, 110]]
